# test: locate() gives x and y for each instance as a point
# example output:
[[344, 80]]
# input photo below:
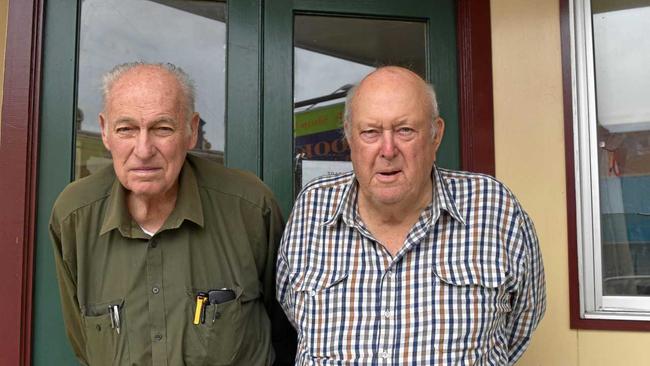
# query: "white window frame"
[[593, 305]]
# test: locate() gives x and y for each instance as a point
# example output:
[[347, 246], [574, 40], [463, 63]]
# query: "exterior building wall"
[[529, 149], [530, 160]]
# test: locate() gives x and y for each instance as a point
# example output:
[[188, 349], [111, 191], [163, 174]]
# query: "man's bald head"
[[393, 76], [184, 81]]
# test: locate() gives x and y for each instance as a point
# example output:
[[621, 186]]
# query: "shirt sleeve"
[[284, 286], [529, 303], [68, 291], [282, 334]]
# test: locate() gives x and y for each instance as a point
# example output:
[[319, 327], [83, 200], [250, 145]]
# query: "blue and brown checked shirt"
[[467, 287]]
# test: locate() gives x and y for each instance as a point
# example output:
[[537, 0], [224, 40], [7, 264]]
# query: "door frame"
[[18, 166], [278, 112], [19, 139]]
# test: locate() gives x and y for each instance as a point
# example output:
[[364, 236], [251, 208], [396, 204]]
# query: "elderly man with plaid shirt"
[[401, 262]]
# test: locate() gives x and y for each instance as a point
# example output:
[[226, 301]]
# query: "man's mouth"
[[388, 177], [145, 169], [389, 173]]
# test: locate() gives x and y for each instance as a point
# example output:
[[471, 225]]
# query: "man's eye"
[[164, 130], [124, 130], [369, 133], [405, 131]]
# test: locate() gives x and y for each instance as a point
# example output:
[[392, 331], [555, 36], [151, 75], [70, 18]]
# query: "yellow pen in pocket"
[[201, 299]]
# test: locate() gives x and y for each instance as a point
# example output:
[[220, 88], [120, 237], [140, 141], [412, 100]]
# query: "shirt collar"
[[442, 201], [188, 207]]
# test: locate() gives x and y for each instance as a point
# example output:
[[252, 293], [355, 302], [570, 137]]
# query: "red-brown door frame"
[[19, 149], [476, 115], [18, 163]]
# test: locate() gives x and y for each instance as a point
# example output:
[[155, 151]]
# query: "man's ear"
[[439, 125], [194, 133], [103, 125], [346, 131]]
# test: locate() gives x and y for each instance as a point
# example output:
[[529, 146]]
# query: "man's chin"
[[145, 189], [387, 196]]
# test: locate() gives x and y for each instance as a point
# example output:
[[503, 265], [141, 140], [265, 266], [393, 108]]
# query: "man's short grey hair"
[[347, 112], [186, 83]]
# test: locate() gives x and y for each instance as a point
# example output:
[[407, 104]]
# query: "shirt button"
[[155, 290], [157, 337], [391, 274], [383, 354], [387, 314], [153, 243]]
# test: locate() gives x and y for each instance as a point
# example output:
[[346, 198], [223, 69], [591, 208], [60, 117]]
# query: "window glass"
[[611, 129], [622, 76], [189, 34], [331, 54]]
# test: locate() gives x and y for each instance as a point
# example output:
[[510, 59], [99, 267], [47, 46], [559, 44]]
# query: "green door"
[[353, 34], [259, 103]]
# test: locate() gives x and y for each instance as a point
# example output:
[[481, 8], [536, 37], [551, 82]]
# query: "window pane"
[[621, 58], [189, 34], [330, 55]]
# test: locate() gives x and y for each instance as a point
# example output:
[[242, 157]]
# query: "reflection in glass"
[[330, 55], [189, 34], [622, 53]]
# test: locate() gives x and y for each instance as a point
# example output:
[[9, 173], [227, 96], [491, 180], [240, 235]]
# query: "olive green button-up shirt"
[[222, 234]]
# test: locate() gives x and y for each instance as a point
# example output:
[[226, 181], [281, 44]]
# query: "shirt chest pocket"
[[474, 299], [321, 306], [106, 340], [218, 337]]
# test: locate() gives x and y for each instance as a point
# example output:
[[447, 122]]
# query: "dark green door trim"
[[243, 83], [277, 156], [58, 88]]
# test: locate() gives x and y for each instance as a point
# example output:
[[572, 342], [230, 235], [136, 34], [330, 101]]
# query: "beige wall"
[[530, 160]]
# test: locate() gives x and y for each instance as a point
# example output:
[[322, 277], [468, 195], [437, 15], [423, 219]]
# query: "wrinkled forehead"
[[145, 82], [392, 86]]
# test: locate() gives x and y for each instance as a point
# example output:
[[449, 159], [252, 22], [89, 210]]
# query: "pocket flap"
[[99, 309], [314, 283], [470, 273]]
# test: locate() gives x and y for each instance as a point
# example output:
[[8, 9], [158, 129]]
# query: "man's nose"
[[388, 149], [144, 148]]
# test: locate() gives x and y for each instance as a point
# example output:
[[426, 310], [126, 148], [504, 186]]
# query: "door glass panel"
[[330, 55], [621, 49], [189, 34]]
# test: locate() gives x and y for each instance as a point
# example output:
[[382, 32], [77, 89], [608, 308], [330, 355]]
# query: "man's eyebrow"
[[165, 119], [124, 120], [404, 122]]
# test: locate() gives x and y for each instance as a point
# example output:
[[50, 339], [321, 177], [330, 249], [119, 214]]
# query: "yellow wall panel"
[[529, 148], [598, 348]]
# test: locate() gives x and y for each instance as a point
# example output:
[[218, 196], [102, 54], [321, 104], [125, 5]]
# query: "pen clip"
[[116, 317], [110, 315]]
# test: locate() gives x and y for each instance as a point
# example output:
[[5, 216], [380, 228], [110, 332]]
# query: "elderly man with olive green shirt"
[[166, 258]]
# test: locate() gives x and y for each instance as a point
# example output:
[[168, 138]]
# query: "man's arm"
[[284, 287], [68, 291], [282, 334], [529, 304]]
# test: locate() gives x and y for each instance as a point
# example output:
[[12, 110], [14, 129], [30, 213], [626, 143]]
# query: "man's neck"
[[150, 212], [390, 224]]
